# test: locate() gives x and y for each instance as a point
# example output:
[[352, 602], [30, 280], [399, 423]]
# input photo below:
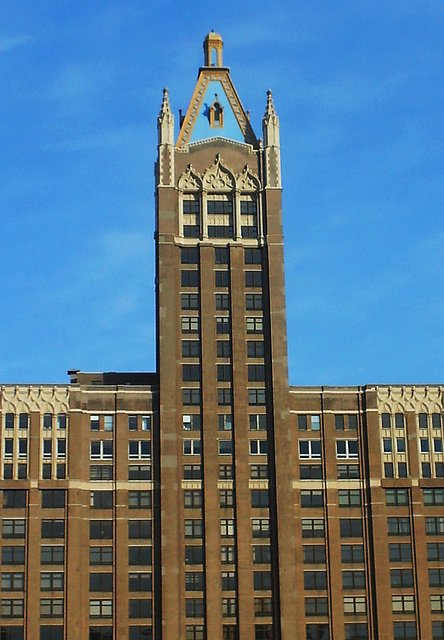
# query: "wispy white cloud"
[[7, 43]]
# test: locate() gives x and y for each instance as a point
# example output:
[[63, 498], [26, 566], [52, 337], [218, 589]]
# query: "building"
[[210, 500]]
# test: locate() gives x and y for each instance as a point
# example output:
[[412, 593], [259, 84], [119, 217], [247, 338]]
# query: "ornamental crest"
[[247, 181], [217, 177], [189, 180]]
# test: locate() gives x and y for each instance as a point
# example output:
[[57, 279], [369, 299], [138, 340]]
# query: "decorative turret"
[[165, 122], [270, 123], [272, 154], [213, 50], [165, 137]]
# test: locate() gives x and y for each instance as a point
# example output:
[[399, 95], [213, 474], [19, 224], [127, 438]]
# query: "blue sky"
[[358, 87]]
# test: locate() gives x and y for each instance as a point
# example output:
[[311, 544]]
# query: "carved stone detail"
[[190, 180], [217, 177], [421, 399], [24, 399], [247, 181]]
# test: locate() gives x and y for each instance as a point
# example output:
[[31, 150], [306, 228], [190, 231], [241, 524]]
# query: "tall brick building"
[[210, 500]]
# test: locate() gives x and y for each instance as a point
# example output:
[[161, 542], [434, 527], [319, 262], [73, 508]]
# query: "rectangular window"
[[101, 449], [315, 580], [355, 605], [100, 555], [13, 528], [101, 472], [228, 580], [346, 449], [189, 255], [51, 554], [139, 472], [47, 420], [192, 498], [189, 301], [434, 497], [434, 526], [309, 449], [139, 449], [260, 527], [94, 423], [191, 447], [194, 607], [314, 554], [259, 498], [100, 609], [101, 499], [400, 578], [189, 324], [259, 471], [140, 582], [53, 529], [139, 499], [14, 499], [253, 278], [396, 497], [313, 528], [350, 528], [13, 581], [352, 553], [252, 256], [258, 447], [257, 422], [349, 498], [100, 581], [228, 554], [223, 348], [53, 499], [101, 529], [191, 397], [223, 397], [140, 529], [225, 471], [348, 471], [222, 278], [255, 325], [191, 422], [435, 551], [256, 397], [193, 528], [316, 607], [12, 608], [140, 556], [13, 555], [224, 421], [189, 278], [223, 373], [222, 325], [222, 301], [190, 349], [400, 552], [192, 472], [9, 420], [261, 554], [227, 528], [312, 498], [256, 373], [403, 604], [194, 581], [255, 349], [398, 526], [253, 302]]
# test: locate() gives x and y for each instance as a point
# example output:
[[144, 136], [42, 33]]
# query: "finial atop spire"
[[270, 110], [213, 50], [165, 121], [270, 123]]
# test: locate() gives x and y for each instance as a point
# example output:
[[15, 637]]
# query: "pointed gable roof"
[[215, 109]]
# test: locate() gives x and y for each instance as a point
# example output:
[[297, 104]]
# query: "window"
[[314, 553], [400, 552], [223, 325], [223, 372], [434, 526], [14, 499], [221, 278], [435, 551], [190, 325], [9, 420], [225, 447], [252, 256], [221, 255], [192, 498], [132, 422], [191, 397], [313, 498], [230, 632], [225, 471], [223, 348], [193, 528], [261, 554], [263, 607], [437, 445], [47, 420], [189, 278], [388, 470], [12, 608], [263, 631], [256, 397], [309, 449], [436, 421], [398, 526], [434, 497], [424, 445], [191, 422], [258, 447], [403, 604], [348, 471], [255, 349], [189, 301], [316, 606], [8, 448], [139, 529], [404, 631], [192, 472], [256, 373], [108, 423], [139, 449], [13, 528], [13, 581], [190, 255], [101, 449], [94, 423], [259, 471], [52, 554], [355, 605], [139, 499], [139, 556], [194, 632], [193, 555], [224, 422], [100, 581], [436, 577], [140, 608], [387, 445], [315, 580], [222, 301], [226, 498], [349, 498], [101, 472], [190, 349], [227, 528], [346, 448], [194, 581], [350, 528], [228, 580], [260, 527], [53, 499], [229, 607], [100, 633], [194, 607], [61, 448], [401, 578], [47, 448], [101, 499], [13, 555], [353, 580], [53, 529], [339, 422], [253, 301], [259, 498], [100, 608], [227, 554], [261, 580], [100, 555], [101, 529], [437, 630], [223, 397], [253, 278], [257, 422], [400, 445], [255, 325], [52, 581], [140, 582], [139, 472], [352, 553], [191, 447], [313, 528]]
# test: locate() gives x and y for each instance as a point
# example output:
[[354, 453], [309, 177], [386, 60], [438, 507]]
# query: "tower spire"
[[270, 123], [165, 121]]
